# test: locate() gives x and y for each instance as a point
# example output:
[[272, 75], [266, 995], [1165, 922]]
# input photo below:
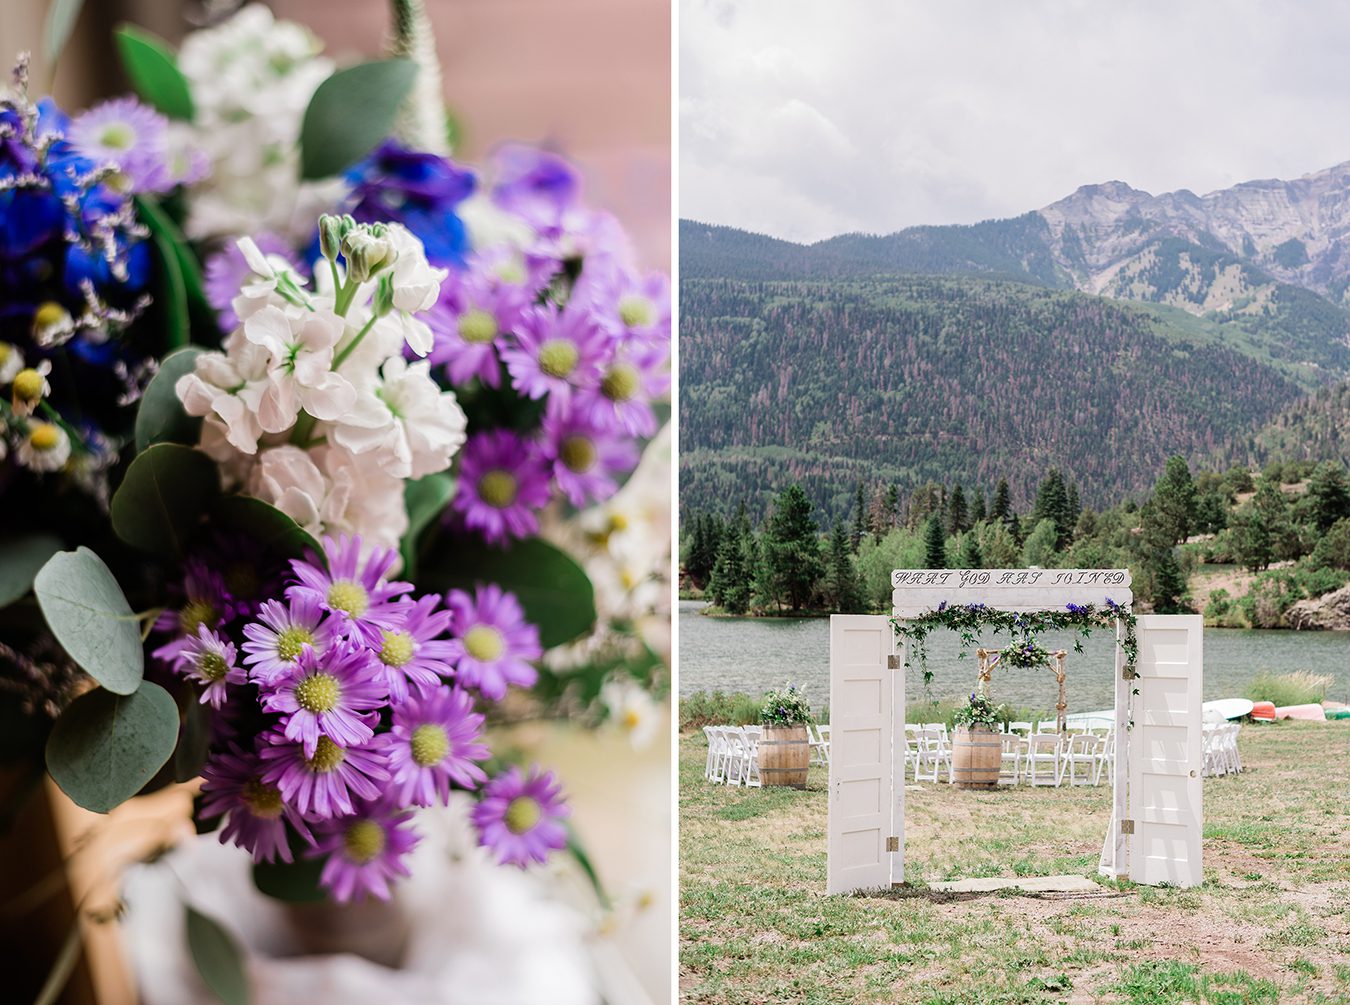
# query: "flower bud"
[[367, 249], [330, 236]]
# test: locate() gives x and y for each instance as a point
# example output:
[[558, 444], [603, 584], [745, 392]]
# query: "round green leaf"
[[160, 417], [350, 113], [553, 589], [218, 959], [154, 73], [161, 501], [106, 746], [90, 617], [265, 524], [20, 560]]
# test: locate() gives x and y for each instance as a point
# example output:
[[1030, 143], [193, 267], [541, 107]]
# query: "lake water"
[[755, 654]]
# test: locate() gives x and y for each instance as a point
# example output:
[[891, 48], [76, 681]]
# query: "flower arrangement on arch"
[[1024, 653], [306, 427]]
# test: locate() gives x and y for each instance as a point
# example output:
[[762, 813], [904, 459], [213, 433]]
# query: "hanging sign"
[[918, 591]]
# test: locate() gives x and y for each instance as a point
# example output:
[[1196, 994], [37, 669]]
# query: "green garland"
[[970, 618]]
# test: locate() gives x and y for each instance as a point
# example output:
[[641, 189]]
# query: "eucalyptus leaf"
[[350, 113], [89, 615], [20, 560], [160, 504], [550, 585], [276, 532], [153, 70], [162, 226], [61, 18], [218, 958], [294, 882], [160, 417], [425, 499], [106, 746], [171, 297]]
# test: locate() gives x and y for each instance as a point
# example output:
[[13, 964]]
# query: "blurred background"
[[590, 79]]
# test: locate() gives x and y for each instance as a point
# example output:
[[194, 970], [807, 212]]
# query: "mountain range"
[[1259, 272]]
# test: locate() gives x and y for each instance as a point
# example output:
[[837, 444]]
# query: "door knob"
[[1192, 772]]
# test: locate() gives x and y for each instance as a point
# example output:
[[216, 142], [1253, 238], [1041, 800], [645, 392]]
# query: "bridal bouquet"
[[311, 436]]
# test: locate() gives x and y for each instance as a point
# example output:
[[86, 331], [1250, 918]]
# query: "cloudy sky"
[[808, 118]]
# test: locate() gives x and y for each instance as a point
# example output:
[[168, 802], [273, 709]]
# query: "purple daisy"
[[333, 695], [322, 786], [206, 601], [585, 457], [503, 481], [533, 183], [210, 660], [520, 817], [226, 271], [493, 643], [415, 652], [628, 305], [282, 633], [255, 814], [556, 353], [130, 136], [435, 741], [353, 589], [622, 399], [365, 851]]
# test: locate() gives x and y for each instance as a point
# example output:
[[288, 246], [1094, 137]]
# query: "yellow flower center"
[[477, 326], [430, 744], [291, 640], [262, 800], [44, 436], [558, 357], [318, 693], [522, 814], [511, 272], [631, 719], [364, 841], [195, 614], [28, 385], [327, 756], [620, 383], [212, 666], [397, 649], [577, 453], [498, 488], [484, 643], [6, 349], [636, 311], [48, 315], [617, 522], [118, 136], [350, 596]]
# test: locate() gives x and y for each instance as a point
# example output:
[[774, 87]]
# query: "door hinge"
[[1127, 827], [892, 844], [893, 662]]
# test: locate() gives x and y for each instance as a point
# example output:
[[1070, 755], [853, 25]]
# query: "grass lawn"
[[1270, 924]]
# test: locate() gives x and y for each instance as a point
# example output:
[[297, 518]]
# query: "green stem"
[[342, 356], [304, 426], [345, 295], [76, 440]]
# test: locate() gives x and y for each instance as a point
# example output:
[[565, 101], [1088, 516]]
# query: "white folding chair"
[[750, 748], [814, 742], [824, 733], [1209, 744], [933, 754], [912, 747], [1106, 756], [1012, 752], [1042, 759], [1234, 755], [735, 768], [712, 753], [1082, 748]]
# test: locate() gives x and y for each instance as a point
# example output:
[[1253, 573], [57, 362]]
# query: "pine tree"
[[1002, 508], [1169, 584], [1052, 503], [1075, 506], [956, 512], [791, 543], [971, 556], [999, 547], [1174, 501], [935, 544], [859, 518], [844, 589], [979, 509], [1040, 548], [705, 539], [1328, 495], [730, 585]]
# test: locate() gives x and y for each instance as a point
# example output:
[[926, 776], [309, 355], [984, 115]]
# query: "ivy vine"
[[970, 619]]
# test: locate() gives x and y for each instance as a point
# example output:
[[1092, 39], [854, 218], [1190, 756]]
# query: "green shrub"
[[1297, 688]]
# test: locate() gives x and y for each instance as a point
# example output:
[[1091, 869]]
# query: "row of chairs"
[[1038, 758], [1221, 749], [733, 752]]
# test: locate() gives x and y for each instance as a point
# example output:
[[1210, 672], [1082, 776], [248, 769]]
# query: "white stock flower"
[[404, 419], [299, 344], [228, 387], [416, 282]]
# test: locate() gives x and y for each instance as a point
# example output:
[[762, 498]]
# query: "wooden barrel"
[[977, 753], [784, 756]]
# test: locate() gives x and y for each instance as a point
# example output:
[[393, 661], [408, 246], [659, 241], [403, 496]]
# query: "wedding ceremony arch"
[[1154, 834]]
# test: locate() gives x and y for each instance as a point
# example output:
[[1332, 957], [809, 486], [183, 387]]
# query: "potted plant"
[[977, 748], [784, 747]]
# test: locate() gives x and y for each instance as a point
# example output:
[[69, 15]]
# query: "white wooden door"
[[861, 808], [1166, 752]]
